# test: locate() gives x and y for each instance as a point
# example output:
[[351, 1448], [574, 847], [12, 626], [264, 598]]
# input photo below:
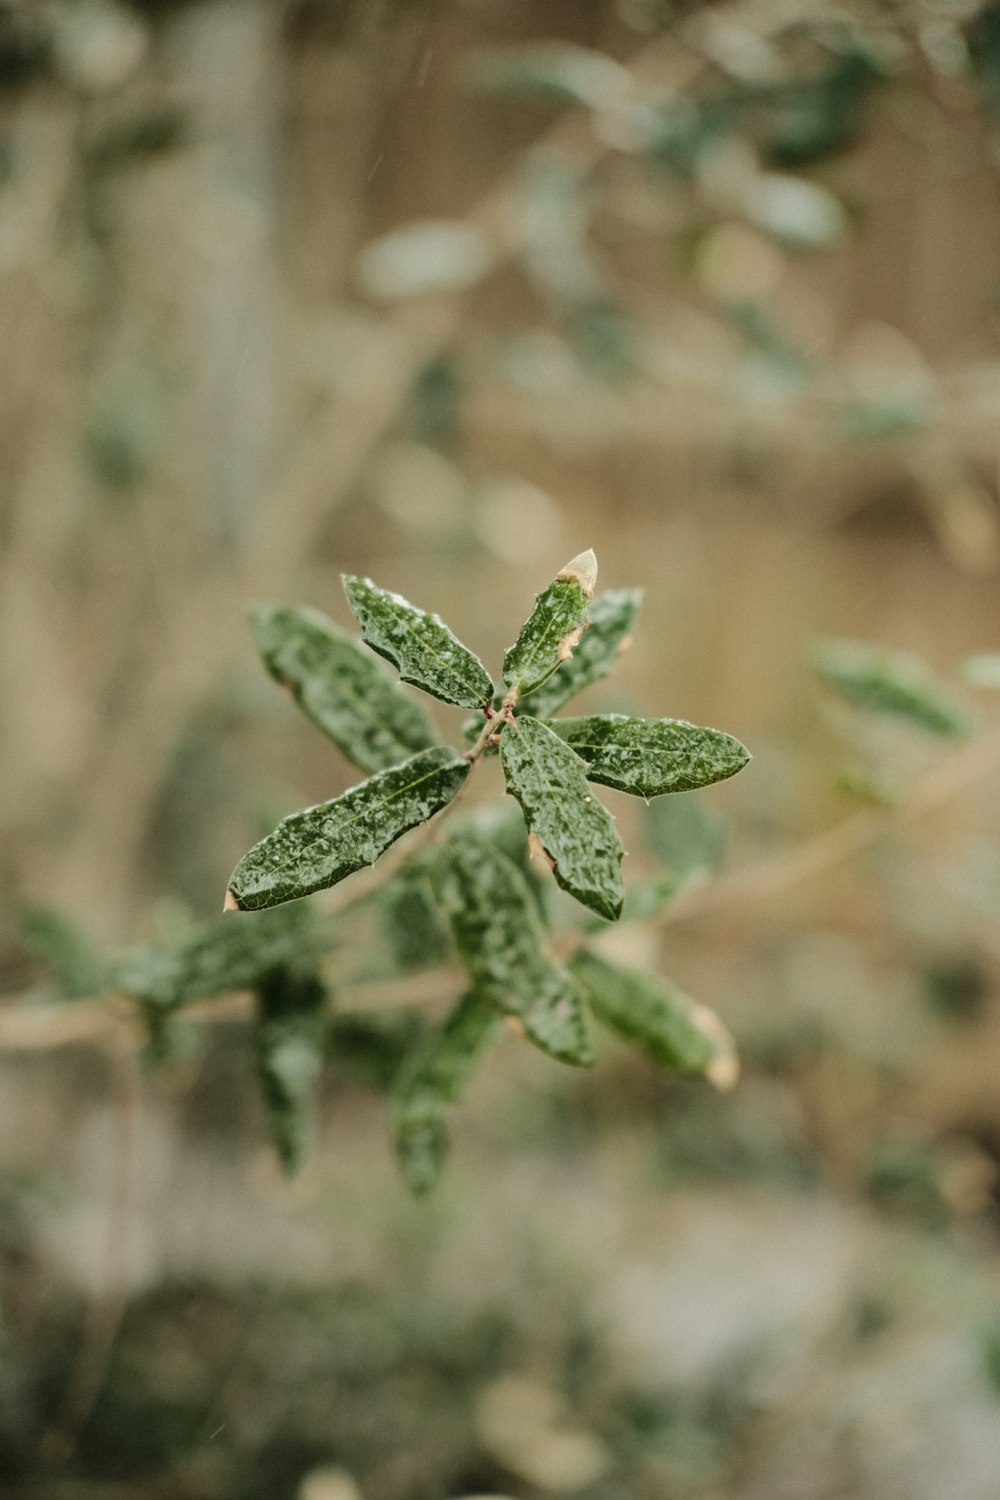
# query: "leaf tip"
[[723, 1071], [230, 903], [582, 568]]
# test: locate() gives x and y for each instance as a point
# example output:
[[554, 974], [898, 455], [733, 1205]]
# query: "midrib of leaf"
[[468, 687]]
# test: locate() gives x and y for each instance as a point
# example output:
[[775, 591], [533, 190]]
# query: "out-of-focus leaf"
[[610, 621], [674, 1031], [802, 215], [870, 419], [130, 142], [314, 849], [429, 256], [433, 411], [289, 1043], [340, 688], [552, 631], [812, 118], [895, 683], [649, 757], [436, 1078], [687, 834], [413, 927], [868, 786], [577, 832], [983, 39], [500, 939], [373, 1045], [605, 338], [419, 645], [554, 73], [982, 671], [231, 954], [65, 951]]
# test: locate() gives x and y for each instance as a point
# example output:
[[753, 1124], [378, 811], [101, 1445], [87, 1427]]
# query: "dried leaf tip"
[[583, 568], [230, 903], [723, 1071]]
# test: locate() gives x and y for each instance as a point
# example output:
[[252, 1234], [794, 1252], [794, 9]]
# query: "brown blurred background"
[[445, 293]]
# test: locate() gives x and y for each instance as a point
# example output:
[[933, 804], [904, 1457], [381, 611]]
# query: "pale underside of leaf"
[[673, 1030], [340, 687], [650, 757], [419, 644], [548, 636], [435, 1079], [316, 848], [495, 924], [578, 833]]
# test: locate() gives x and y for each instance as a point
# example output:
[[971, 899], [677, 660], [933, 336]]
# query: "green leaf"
[[232, 954], [289, 1044], [553, 628], [316, 848], [418, 644], [436, 1078], [609, 626], [649, 757], [340, 688], [895, 683], [65, 951], [500, 939], [687, 833], [552, 73], [674, 1031], [577, 832], [413, 928], [373, 1046]]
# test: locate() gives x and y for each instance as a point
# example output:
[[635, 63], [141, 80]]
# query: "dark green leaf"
[[553, 628], [435, 1079], [289, 1042], [418, 644], [609, 626], [372, 1046], [576, 831], [649, 757], [413, 928], [232, 954], [500, 939], [898, 684], [316, 848], [983, 41], [338, 685], [674, 1031]]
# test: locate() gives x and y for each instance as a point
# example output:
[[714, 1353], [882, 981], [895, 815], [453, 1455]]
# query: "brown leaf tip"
[[230, 903], [583, 568]]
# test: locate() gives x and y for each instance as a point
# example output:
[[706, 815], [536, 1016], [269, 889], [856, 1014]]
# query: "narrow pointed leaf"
[[896, 683], [553, 629], [500, 939], [232, 954], [649, 757], [436, 1079], [289, 1043], [673, 1030], [339, 686], [316, 848], [418, 644], [610, 622], [577, 832]]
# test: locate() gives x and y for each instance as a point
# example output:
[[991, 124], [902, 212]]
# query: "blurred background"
[[446, 293]]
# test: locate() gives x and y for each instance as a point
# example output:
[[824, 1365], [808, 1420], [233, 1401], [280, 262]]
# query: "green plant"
[[470, 887]]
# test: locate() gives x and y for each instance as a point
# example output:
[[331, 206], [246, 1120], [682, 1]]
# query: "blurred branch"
[[785, 871]]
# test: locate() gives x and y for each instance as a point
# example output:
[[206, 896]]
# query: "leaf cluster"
[[471, 892]]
